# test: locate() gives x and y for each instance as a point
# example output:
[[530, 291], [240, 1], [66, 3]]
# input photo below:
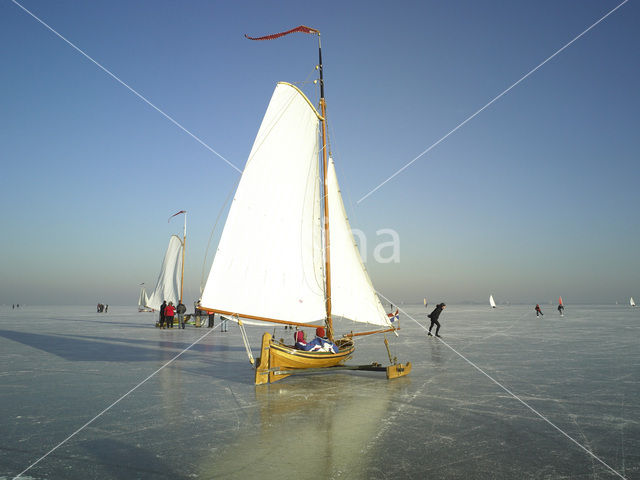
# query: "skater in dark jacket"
[[180, 311], [161, 320], [434, 318]]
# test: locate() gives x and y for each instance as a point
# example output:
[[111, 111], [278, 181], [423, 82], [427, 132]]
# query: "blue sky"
[[535, 197]]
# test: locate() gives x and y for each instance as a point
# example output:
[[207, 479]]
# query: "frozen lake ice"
[[467, 410]]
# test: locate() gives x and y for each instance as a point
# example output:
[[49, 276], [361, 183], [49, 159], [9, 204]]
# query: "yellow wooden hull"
[[277, 358], [278, 361]]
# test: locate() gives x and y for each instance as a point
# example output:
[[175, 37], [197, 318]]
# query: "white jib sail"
[[631, 302], [352, 294], [167, 287], [491, 301], [269, 260]]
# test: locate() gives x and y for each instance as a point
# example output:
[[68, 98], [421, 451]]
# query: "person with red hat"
[[301, 342]]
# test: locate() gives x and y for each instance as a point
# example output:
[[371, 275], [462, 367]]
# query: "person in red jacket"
[[169, 312]]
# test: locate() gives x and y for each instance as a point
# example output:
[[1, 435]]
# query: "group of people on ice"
[[319, 344], [539, 310], [168, 312]]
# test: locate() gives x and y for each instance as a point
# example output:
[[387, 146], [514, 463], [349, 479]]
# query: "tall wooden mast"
[[327, 238], [184, 246], [323, 108]]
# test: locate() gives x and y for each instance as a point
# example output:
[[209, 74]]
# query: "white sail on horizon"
[[143, 301], [167, 286], [492, 301], [632, 302]]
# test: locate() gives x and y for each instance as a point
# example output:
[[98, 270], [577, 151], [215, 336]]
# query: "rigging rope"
[[245, 339]]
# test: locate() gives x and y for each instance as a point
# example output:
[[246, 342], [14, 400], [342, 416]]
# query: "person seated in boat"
[[301, 341], [321, 343]]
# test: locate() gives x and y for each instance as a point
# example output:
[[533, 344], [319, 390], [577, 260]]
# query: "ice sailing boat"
[[143, 300], [282, 258], [492, 301], [560, 306], [631, 302], [169, 286]]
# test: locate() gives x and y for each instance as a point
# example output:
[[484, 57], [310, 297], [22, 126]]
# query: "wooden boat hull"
[[278, 361], [276, 357]]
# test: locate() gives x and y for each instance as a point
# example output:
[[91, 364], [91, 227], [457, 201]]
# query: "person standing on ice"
[[180, 311], [161, 319], [538, 311], [434, 318], [561, 310], [169, 312]]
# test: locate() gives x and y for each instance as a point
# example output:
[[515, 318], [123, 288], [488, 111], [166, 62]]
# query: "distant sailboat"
[[425, 302], [281, 257], [143, 301], [631, 302], [560, 307], [492, 301], [170, 282]]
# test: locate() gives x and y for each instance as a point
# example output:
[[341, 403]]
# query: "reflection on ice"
[[309, 424]]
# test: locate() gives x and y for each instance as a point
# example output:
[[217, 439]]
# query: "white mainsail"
[[352, 294], [269, 261], [492, 301], [631, 302], [167, 287]]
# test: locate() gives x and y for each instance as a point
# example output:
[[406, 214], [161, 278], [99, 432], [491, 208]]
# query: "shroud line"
[[492, 101], [104, 69], [509, 392]]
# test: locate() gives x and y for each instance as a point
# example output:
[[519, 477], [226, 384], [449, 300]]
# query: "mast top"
[[301, 29]]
